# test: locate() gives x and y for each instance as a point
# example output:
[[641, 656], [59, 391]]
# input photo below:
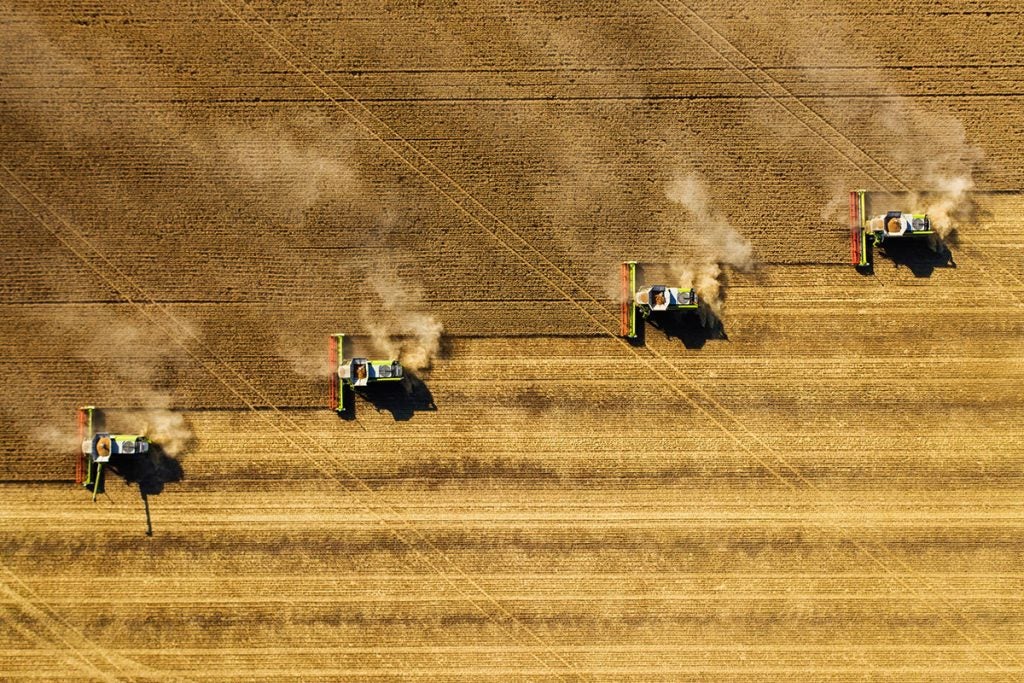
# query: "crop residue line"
[[54, 621], [462, 208], [460, 205]]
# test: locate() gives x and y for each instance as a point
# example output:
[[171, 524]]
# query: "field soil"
[[194, 195]]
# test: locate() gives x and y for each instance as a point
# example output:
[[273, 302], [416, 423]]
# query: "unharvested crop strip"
[[752, 65]]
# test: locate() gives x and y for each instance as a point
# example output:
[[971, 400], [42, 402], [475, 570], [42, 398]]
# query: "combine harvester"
[[866, 232], [98, 448], [358, 372], [649, 300]]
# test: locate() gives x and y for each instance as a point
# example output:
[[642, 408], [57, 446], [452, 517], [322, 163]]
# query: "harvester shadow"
[[402, 399], [446, 348], [640, 323], [151, 471], [919, 256], [694, 329]]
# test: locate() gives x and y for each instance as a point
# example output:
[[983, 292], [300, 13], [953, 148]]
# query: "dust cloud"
[[940, 162], [132, 367], [272, 169], [949, 204], [168, 429], [926, 147], [716, 244], [398, 327], [285, 169]]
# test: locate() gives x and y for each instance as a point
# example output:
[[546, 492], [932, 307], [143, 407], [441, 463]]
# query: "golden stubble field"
[[195, 194]]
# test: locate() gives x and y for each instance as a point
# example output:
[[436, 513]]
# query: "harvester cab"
[[98, 448], [867, 232], [648, 300], [662, 298], [357, 372]]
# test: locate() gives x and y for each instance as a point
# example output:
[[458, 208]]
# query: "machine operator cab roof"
[[101, 447], [896, 224], [662, 298], [361, 371]]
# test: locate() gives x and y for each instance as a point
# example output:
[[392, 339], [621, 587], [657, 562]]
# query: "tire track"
[[35, 607], [286, 435], [870, 161]]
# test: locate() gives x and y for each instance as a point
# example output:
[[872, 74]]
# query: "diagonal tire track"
[[554, 276], [323, 457], [864, 161]]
